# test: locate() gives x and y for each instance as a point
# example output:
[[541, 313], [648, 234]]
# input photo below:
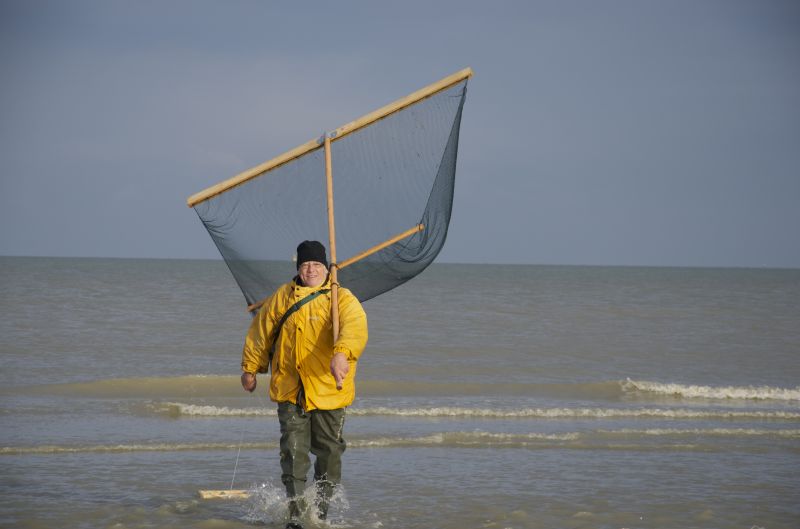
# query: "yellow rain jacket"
[[305, 346]]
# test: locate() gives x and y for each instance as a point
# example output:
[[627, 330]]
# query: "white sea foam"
[[727, 432], [576, 413], [472, 439], [476, 438], [198, 410], [383, 442], [503, 438], [132, 447], [194, 410], [713, 392]]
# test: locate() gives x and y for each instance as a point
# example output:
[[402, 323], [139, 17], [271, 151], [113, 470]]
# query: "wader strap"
[[301, 397]]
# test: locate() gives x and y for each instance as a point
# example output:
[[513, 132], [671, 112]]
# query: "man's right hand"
[[249, 382]]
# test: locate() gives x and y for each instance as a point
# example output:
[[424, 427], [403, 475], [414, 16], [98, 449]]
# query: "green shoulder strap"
[[294, 308]]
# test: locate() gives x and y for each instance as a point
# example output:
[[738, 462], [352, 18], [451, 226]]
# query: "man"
[[312, 377]]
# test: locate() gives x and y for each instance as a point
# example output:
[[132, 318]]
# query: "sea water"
[[488, 397]]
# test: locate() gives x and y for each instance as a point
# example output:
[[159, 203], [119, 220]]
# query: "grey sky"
[[594, 132]]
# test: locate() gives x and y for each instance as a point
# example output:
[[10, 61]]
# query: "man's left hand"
[[339, 368]]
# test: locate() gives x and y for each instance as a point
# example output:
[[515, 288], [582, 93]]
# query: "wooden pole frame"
[[334, 267], [325, 143], [332, 243], [381, 246], [337, 134], [356, 258]]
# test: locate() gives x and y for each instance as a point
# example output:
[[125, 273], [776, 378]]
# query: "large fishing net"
[[392, 175]]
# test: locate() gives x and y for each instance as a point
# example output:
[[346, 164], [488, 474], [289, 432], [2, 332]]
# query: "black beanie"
[[311, 251]]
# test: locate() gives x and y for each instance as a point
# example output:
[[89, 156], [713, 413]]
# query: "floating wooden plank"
[[224, 494]]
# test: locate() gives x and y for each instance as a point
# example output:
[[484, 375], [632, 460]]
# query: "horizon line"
[[442, 262]]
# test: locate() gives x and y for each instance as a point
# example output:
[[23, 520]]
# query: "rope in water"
[[263, 401], [238, 453]]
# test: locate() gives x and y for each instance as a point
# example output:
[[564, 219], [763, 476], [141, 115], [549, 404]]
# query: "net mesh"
[[388, 177]]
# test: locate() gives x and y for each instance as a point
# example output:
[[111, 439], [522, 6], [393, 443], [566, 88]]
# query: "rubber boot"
[[324, 493], [296, 508]]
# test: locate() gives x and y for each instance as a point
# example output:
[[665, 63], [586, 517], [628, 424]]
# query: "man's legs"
[[327, 445], [295, 444]]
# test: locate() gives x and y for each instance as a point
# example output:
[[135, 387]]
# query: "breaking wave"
[[466, 439], [712, 392], [726, 432], [219, 386], [133, 447], [473, 439], [177, 409]]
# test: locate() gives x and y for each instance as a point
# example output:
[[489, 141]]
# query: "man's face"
[[312, 273]]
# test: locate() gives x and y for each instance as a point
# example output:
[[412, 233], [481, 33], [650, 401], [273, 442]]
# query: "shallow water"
[[489, 396]]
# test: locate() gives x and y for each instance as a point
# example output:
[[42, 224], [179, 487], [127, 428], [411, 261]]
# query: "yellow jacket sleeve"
[[353, 332], [255, 355]]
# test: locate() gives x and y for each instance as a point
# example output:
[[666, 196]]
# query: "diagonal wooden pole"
[[381, 246], [332, 244], [337, 134]]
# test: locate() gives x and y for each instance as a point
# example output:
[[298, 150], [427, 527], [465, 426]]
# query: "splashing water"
[[268, 504]]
